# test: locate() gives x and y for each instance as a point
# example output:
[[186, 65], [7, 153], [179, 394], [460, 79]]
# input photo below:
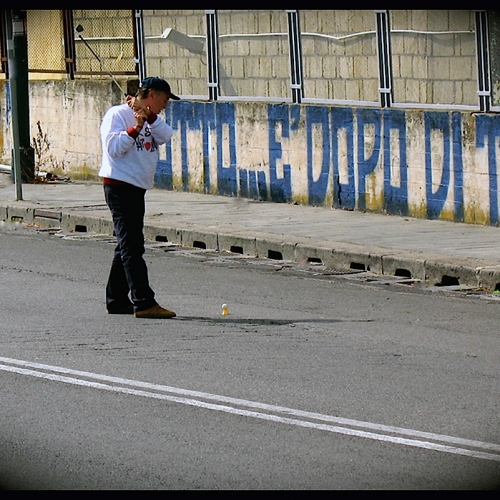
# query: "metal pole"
[[383, 34], [212, 55], [294, 42], [140, 49], [483, 61], [17, 52]]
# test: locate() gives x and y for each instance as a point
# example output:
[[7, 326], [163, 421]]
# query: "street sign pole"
[[17, 52]]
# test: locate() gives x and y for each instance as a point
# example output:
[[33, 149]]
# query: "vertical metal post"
[[384, 57], [69, 43], [139, 44], [3, 42], [17, 50], [212, 54], [483, 61], [16, 162], [296, 78]]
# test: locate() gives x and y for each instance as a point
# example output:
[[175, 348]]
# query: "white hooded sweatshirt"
[[129, 157]]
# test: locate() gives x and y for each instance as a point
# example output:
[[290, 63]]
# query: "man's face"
[[157, 100]]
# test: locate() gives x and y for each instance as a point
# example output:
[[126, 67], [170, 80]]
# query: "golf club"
[[78, 31]]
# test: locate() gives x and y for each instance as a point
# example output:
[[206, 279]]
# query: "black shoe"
[[123, 310]]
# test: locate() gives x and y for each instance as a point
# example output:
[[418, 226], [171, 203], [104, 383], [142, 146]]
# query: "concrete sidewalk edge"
[[430, 268]]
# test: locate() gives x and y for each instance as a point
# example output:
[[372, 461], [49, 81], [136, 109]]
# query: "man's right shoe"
[[155, 312], [129, 309]]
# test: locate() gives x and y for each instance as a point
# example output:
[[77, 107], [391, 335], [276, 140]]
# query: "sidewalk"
[[437, 252]]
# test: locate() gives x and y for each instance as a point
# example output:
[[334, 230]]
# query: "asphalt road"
[[313, 381]]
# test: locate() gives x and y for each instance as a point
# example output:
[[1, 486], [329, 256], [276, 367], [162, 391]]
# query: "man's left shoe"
[[155, 312]]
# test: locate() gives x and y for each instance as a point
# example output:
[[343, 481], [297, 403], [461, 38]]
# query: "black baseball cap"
[[156, 83]]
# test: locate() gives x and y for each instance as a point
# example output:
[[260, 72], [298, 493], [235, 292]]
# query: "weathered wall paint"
[[402, 162], [428, 164]]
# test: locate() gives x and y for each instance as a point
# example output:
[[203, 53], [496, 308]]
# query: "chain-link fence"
[[400, 58], [79, 42], [45, 41], [104, 42]]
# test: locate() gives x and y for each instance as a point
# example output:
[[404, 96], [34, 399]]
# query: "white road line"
[[263, 416], [262, 406]]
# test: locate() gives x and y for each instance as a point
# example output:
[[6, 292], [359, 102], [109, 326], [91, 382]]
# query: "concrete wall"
[[176, 58], [345, 65], [425, 164], [428, 164], [433, 54], [70, 114]]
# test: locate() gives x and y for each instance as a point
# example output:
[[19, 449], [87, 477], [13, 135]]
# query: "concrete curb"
[[429, 268]]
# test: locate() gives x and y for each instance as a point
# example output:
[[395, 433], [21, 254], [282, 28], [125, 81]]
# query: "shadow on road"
[[266, 321]]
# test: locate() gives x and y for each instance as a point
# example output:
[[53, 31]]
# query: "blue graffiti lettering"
[[184, 116], [226, 174], [318, 188], [253, 184], [344, 194], [458, 168], [209, 125], [243, 178], [257, 188], [367, 165], [253, 188], [188, 117], [163, 176], [435, 201], [331, 155], [280, 187], [395, 198], [489, 126]]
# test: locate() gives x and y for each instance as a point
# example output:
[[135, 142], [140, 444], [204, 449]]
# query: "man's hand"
[[135, 103], [130, 99], [141, 112], [140, 117]]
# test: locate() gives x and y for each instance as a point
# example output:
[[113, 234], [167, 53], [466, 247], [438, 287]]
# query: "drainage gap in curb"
[[359, 266], [403, 272], [272, 254], [163, 239], [316, 260], [448, 281], [199, 244], [80, 228], [236, 249]]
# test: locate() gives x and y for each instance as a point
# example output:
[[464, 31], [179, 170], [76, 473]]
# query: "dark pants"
[[129, 273]]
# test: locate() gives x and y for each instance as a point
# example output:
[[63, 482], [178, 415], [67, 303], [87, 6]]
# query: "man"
[[130, 135]]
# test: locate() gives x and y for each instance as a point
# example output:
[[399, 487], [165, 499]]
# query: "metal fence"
[[104, 42], [404, 58], [82, 43]]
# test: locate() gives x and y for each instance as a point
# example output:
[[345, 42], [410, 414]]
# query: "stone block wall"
[[433, 56], [180, 58], [411, 162], [420, 163]]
